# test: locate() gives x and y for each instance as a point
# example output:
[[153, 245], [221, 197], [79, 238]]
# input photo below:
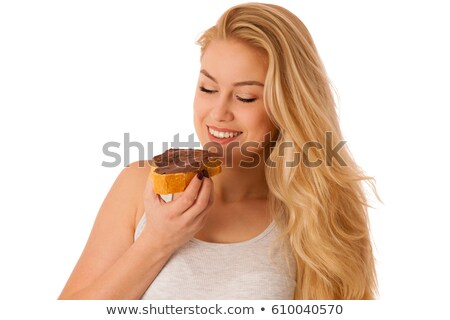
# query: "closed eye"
[[203, 89], [245, 100]]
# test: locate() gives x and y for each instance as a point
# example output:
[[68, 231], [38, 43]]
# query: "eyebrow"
[[236, 84]]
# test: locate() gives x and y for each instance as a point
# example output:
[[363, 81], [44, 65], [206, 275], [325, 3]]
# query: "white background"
[[77, 74]]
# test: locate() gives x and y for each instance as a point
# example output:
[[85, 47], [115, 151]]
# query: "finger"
[[206, 194], [201, 218], [203, 199], [187, 198], [211, 197]]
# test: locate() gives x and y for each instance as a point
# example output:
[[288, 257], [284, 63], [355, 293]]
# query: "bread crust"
[[177, 182]]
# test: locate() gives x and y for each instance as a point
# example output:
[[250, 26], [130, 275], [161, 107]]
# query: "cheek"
[[200, 109], [261, 123], [200, 113]]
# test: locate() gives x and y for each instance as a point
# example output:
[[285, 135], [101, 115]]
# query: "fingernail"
[[200, 175], [205, 173]]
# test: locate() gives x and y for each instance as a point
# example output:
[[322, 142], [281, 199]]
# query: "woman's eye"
[[245, 100], [203, 89]]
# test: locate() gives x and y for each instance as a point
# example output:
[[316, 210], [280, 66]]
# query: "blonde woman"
[[289, 223]]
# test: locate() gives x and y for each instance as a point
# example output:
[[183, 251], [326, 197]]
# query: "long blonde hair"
[[321, 210]]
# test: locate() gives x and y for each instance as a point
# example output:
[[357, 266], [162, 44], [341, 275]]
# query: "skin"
[[237, 189], [113, 265]]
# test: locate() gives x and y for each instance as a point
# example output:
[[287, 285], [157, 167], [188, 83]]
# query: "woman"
[[279, 228]]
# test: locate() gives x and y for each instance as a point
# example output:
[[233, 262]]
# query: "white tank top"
[[200, 270]]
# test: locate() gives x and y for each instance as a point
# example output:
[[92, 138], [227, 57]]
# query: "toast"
[[172, 170]]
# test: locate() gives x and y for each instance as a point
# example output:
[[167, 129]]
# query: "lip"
[[222, 129], [221, 140]]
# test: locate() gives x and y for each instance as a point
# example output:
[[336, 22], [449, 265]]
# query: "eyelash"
[[245, 100], [203, 89]]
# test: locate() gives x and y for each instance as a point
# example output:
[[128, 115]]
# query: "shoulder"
[[134, 178], [140, 165], [135, 172], [137, 168], [125, 198]]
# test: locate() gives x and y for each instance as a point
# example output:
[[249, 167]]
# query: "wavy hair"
[[321, 210]]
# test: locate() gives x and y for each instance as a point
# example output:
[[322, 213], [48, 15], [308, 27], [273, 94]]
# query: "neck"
[[237, 184]]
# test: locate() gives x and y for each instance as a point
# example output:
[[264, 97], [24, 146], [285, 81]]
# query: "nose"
[[221, 110]]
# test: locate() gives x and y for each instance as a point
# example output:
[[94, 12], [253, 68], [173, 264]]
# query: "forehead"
[[231, 60]]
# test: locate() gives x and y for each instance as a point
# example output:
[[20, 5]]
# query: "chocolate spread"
[[183, 160]]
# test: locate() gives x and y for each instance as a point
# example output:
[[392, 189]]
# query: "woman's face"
[[228, 106]]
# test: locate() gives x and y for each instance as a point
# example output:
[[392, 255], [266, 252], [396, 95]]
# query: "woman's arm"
[[112, 265]]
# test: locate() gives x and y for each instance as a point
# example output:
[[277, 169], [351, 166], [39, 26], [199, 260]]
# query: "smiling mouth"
[[223, 134]]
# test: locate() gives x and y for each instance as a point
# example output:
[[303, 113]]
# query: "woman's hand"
[[176, 222]]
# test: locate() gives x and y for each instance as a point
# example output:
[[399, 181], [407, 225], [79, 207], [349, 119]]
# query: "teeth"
[[221, 135]]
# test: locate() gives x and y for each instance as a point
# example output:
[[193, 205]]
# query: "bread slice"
[[172, 171]]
